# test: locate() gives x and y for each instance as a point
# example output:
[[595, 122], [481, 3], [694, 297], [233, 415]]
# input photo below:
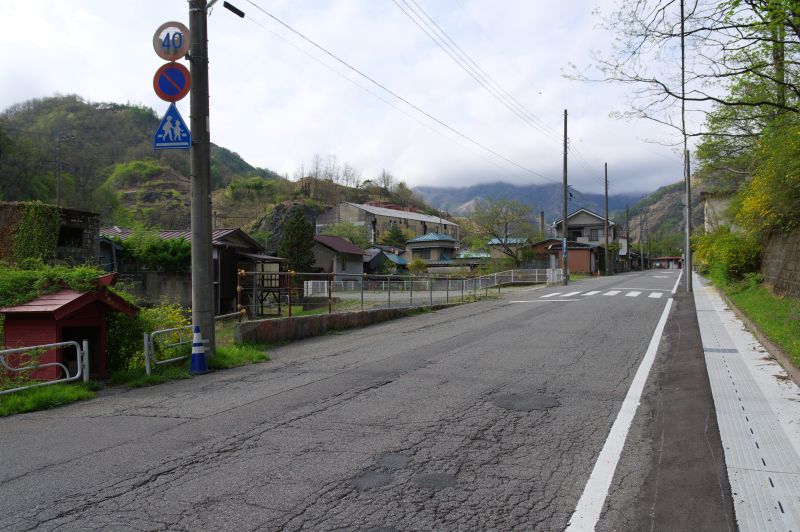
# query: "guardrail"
[[266, 293], [181, 336], [81, 357]]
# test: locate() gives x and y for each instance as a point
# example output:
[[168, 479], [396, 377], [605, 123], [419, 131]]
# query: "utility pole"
[[202, 262], [627, 238], [606, 228], [688, 252], [58, 168], [564, 269], [641, 241]]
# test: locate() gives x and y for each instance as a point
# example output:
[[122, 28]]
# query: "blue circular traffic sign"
[[172, 82]]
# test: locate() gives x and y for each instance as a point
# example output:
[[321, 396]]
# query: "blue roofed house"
[[501, 248], [435, 249], [377, 260]]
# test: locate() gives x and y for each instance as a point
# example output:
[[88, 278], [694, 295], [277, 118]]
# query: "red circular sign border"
[[181, 95]]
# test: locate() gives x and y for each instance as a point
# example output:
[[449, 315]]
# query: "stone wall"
[[295, 328], [153, 288], [781, 263]]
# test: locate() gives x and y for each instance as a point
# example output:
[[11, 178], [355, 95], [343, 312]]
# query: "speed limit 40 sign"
[[171, 41]]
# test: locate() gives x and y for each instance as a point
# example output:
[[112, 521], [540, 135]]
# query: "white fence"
[[81, 358], [319, 288]]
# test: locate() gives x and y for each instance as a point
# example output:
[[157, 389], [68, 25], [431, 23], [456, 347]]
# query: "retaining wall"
[[281, 329], [781, 263]]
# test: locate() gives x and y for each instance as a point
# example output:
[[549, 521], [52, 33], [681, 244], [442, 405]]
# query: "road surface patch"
[[368, 480], [393, 461], [525, 402]]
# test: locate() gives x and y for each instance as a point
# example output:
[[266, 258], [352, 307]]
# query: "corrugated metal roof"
[[339, 244], [433, 237], [512, 240], [217, 235], [397, 259], [66, 301], [467, 254], [394, 213]]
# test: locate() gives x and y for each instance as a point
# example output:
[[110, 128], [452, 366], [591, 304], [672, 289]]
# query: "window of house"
[[574, 234], [422, 253], [70, 237], [595, 234], [344, 264]]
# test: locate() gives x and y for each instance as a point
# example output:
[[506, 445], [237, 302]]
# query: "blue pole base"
[[197, 364]]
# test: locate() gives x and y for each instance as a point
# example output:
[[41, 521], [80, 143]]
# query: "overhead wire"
[[399, 97], [463, 60], [378, 96]]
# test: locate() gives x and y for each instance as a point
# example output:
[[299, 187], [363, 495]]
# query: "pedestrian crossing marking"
[[611, 293], [633, 294], [570, 294], [593, 292], [553, 294], [656, 295]]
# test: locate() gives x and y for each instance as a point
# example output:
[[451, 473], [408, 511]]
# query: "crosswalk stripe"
[[633, 294], [553, 294], [570, 294], [611, 293], [593, 292], [656, 295]]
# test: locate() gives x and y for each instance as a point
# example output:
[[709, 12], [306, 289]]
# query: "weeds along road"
[[488, 415]]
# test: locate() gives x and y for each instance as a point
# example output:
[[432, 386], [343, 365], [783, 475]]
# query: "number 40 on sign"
[[171, 41]]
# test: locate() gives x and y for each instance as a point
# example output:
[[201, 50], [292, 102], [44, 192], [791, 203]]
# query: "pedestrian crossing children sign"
[[172, 132]]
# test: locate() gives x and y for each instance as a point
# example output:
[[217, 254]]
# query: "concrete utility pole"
[[688, 253], [564, 268], [202, 261], [627, 238], [606, 229]]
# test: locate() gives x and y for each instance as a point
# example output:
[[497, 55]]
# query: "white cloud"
[[277, 107]]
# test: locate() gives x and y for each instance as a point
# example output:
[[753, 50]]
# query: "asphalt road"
[[488, 415]]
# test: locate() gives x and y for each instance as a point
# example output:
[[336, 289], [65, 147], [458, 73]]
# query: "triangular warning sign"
[[172, 132]]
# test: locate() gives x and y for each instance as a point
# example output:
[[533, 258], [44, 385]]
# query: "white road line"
[[678, 280], [542, 301], [633, 294], [570, 294], [656, 295], [587, 512], [611, 293], [554, 293], [637, 288], [593, 292]]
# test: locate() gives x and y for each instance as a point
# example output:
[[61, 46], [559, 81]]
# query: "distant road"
[[488, 415]]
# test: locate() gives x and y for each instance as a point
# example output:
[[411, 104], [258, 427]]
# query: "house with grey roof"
[[379, 221], [337, 255]]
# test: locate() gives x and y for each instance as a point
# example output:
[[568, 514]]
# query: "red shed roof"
[[66, 301]]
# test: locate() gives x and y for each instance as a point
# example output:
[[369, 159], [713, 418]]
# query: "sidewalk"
[[758, 411]]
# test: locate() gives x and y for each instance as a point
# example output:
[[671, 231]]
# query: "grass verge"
[[137, 378], [231, 356], [777, 317], [43, 397]]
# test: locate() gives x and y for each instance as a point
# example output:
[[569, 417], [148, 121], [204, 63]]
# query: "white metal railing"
[[181, 336], [81, 358]]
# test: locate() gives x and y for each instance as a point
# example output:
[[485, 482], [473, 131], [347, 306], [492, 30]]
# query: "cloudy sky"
[[278, 101]]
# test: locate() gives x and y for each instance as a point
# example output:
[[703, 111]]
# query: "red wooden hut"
[[63, 316]]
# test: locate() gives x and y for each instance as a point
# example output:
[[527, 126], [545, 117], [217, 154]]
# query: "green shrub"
[[125, 346], [18, 285], [726, 256], [43, 397]]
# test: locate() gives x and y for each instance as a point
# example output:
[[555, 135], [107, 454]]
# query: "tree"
[[395, 237], [501, 219], [417, 266], [297, 246], [357, 234]]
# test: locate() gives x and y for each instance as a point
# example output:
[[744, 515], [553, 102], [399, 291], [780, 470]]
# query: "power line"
[[397, 96], [463, 60], [378, 96]]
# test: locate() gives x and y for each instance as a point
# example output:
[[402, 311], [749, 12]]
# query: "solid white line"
[[570, 294], [656, 295], [637, 288], [554, 293], [593, 292], [678, 280], [611, 293], [542, 300], [631, 294], [587, 512]]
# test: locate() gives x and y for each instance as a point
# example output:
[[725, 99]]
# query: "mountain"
[[548, 198]]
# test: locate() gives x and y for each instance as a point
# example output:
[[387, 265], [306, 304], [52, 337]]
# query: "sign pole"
[[202, 261]]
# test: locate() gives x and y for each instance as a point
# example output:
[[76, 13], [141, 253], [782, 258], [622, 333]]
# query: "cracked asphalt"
[[481, 416]]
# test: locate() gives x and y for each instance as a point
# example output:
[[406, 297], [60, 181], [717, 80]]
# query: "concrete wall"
[[153, 288], [295, 328], [781, 263]]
